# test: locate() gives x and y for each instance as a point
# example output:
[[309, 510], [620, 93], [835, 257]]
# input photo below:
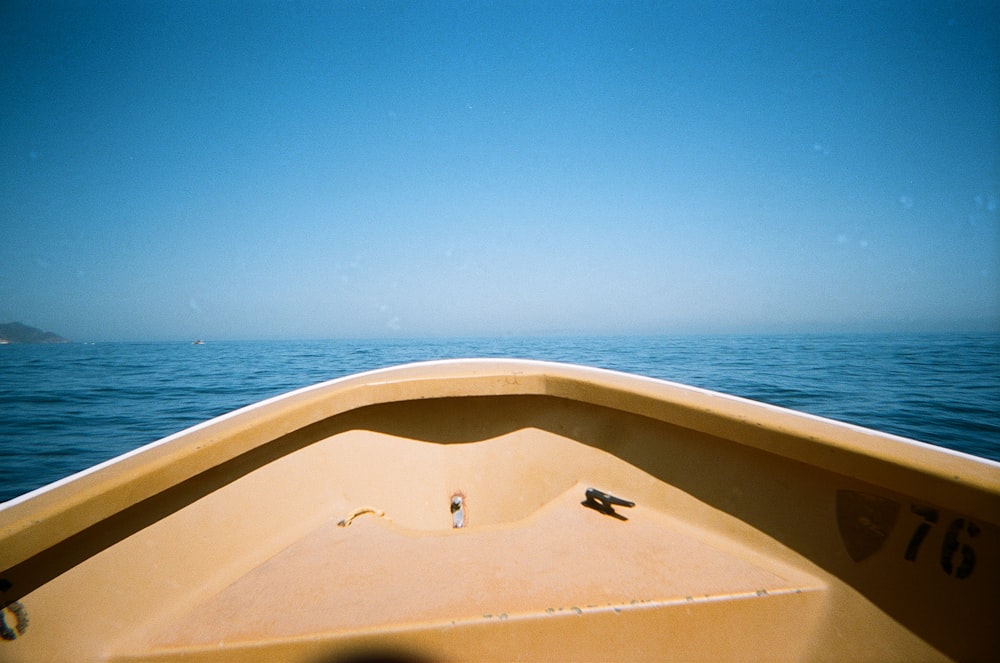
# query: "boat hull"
[[321, 525]]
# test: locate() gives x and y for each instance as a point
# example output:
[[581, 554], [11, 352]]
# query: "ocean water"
[[64, 408]]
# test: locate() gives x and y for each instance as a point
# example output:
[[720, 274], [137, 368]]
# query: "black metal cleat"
[[605, 503]]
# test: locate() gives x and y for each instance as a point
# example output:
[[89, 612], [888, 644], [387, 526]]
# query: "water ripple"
[[67, 407]]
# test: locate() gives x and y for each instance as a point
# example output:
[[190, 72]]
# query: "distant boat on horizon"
[[199, 342]]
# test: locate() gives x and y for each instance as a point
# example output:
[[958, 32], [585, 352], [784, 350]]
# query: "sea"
[[64, 408]]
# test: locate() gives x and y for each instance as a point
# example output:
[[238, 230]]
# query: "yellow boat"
[[509, 510]]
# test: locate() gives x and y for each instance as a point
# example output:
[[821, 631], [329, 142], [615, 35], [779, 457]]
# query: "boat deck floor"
[[367, 580]]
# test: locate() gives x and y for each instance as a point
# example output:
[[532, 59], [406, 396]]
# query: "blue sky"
[[223, 170]]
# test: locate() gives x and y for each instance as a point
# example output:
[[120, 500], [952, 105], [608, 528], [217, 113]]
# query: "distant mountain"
[[15, 332]]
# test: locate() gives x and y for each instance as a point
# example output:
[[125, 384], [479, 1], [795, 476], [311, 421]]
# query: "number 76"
[[950, 547]]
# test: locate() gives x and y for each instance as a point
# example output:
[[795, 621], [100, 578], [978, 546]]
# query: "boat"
[[509, 510]]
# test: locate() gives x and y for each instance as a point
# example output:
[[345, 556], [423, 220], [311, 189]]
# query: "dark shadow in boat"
[[373, 655]]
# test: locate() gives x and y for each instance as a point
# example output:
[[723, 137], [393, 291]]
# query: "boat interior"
[[513, 527]]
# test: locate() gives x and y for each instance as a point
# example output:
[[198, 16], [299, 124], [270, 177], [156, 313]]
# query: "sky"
[[263, 170]]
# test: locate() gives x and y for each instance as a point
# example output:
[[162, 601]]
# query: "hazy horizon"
[[901, 330], [259, 171]]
